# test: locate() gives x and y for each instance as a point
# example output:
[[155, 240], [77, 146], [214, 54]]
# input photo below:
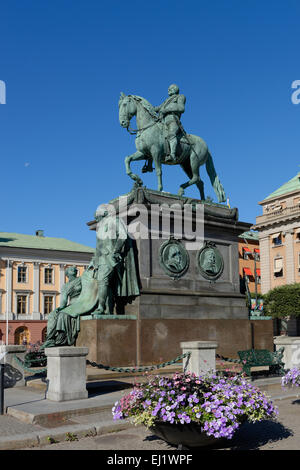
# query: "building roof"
[[39, 242], [249, 235], [290, 186]]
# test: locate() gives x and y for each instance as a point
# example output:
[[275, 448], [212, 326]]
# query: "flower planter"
[[194, 411], [187, 435]]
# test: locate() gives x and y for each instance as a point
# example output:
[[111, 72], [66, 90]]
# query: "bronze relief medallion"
[[210, 262], [174, 258]]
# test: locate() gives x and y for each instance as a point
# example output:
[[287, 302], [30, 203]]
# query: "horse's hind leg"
[[191, 168], [200, 186]]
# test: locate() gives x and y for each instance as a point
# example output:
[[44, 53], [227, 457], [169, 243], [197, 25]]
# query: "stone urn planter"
[[194, 411]]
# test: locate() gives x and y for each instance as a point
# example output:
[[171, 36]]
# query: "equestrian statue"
[[161, 139]]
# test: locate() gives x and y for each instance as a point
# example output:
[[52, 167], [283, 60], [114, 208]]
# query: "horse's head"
[[127, 109]]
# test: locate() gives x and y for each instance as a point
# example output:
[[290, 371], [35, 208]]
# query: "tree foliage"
[[283, 301]]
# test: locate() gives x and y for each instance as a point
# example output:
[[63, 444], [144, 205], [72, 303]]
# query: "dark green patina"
[[210, 261], [261, 357], [161, 139], [174, 258], [110, 280]]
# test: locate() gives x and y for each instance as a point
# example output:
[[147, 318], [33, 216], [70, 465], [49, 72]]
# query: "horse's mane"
[[146, 105]]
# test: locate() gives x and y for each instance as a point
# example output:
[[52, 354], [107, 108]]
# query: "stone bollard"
[[66, 372], [291, 354], [203, 356], [8, 352]]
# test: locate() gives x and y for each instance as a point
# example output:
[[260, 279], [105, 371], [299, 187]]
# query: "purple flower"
[[215, 402]]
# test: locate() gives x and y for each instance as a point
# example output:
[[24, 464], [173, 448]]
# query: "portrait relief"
[[174, 258], [210, 261]]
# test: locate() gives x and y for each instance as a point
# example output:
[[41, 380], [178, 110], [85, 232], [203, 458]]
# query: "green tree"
[[283, 301]]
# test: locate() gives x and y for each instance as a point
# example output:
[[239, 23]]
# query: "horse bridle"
[[156, 120], [135, 131]]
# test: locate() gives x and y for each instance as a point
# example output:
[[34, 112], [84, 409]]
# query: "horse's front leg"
[[157, 164], [134, 157]]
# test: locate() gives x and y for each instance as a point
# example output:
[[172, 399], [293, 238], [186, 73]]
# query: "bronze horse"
[[192, 151]]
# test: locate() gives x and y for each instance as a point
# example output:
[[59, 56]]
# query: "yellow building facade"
[[32, 272]]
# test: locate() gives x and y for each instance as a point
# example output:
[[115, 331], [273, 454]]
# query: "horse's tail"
[[214, 179]]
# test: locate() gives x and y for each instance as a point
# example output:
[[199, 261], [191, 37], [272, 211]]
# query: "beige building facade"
[[32, 272], [279, 236]]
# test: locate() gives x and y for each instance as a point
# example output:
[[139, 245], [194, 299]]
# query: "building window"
[[247, 274], [22, 273], [48, 303], [21, 304], [44, 334], [48, 275], [278, 267], [277, 239], [246, 252], [22, 335]]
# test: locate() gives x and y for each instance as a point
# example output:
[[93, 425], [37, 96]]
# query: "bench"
[[261, 357]]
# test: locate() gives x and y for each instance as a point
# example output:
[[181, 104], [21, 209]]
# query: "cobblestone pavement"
[[283, 434]]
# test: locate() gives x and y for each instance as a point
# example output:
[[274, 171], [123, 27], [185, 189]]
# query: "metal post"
[[1, 389], [7, 300], [255, 277]]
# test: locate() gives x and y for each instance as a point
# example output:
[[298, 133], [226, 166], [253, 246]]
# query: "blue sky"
[[65, 63]]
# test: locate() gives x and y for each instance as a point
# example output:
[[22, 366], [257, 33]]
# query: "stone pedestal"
[[183, 299], [66, 372], [129, 341], [291, 355], [9, 352], [203, 356]]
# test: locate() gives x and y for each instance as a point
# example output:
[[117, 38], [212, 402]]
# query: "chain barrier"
[[140, 369], [115, 369], [27, 369], [236, 361]]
